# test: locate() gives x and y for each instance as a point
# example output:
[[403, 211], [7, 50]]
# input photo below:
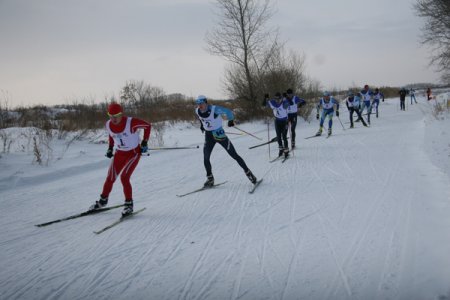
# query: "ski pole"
[[234, 133], [340, 122], [265, 143], [290, 133], [173, 148], [268, 136], [248, 133], [168, 148]]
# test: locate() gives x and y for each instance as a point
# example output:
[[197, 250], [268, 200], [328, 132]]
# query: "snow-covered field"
[[364, 214]]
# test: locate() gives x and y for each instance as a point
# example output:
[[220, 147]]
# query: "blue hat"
[[200, 99], [326, 94]]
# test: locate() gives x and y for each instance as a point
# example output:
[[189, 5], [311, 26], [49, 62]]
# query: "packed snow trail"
[[361, 215]]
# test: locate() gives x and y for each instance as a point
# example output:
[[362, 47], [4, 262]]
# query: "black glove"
[[202, 128], [109, 152], [230, 123], [291, 102], [144, 146], [317, 116], [337, 113]]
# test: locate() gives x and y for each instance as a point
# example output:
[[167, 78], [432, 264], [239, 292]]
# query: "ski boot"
[[128, 208], [329, 131], [280, 151], [286, 152], [102, 202], [351, 126], [209, 181], [319, 132], [251, 177], [292, 144]]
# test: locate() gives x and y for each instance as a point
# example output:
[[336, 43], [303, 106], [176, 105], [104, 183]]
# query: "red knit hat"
[[114, 109]]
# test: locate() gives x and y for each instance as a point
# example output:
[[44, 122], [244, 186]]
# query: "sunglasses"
[[115, 116]]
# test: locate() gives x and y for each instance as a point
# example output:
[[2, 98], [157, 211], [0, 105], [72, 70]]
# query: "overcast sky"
[[61, 51]]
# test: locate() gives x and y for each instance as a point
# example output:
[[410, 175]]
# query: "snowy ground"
[[364, 214]]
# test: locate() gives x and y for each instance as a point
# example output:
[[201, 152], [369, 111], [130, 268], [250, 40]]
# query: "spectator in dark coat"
[[403, 92], [429, 97]]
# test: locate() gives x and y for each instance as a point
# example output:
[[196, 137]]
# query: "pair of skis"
[[93, 212], [314, 136], [202, 189], [283, 158], [251, 191], [122, 218]]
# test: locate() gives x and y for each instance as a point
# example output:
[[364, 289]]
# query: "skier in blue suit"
[[377, 95], [327, 103], [210, 117], [366, 95]]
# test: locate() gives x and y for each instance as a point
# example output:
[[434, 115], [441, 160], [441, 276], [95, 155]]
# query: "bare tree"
[[140, 95], [283, 70], [241, 38], [4, 108], [436, 32]]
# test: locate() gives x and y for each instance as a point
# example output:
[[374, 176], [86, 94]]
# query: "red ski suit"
[[124, 161]]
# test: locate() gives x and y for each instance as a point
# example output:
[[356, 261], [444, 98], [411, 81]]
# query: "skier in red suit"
[[124, 135]]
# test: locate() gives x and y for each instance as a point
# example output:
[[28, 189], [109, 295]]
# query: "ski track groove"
[[356, 244], [342, 275], [397, 264], [238, 280], [188, 232], [233, 196], [292, 264], [341, 272], [163, 227], [353, 186], [262, 261], [206, 287], [187, 288]]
